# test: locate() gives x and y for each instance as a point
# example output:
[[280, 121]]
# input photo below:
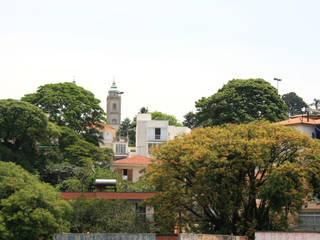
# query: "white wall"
[[308, 129], [174, 131]]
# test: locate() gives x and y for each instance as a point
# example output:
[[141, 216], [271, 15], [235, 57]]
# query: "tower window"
[[114, 107], [114, 121]]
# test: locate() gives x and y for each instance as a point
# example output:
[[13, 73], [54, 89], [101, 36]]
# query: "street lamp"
[[278, 80]]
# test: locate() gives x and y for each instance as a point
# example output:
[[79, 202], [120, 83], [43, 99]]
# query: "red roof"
[[107, 195], [301, 120], [135, 160]]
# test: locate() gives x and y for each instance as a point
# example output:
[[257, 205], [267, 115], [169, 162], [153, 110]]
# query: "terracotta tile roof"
[[107, 195], [135, 160], [301, 120]]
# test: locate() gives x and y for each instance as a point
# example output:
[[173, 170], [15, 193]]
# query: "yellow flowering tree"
[[234, 178]]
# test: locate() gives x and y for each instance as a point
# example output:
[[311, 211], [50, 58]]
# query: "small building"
[[306, 124], [150, 133], [131, 168]]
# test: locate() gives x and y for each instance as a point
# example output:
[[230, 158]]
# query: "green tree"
[[241, 101], [70, 105], [101, 215], [29, 209], [234, 178], [23, 127], [162, 116], [190, 120], [294, 103]]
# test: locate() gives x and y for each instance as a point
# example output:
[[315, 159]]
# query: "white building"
[[150, 133], [306, 124]]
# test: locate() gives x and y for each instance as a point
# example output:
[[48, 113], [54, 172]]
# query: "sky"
[[164, 55]]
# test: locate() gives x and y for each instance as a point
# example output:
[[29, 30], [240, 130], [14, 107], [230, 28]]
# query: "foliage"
[[29, 209], [241, 101], [162, 116], [234, 178], [126, 129], [144, 110], [190, 120], [101, 215], [22, 128], [70, 105], [294, 103]]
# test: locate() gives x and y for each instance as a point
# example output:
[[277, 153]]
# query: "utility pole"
[[278, 80]]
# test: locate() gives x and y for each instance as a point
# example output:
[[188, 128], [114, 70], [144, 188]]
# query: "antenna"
[[278, 80]]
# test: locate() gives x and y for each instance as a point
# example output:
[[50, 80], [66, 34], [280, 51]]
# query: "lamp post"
[[278, 80]]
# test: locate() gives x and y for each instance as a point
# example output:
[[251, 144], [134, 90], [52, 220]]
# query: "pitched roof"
[[135, 160], [301, 120]]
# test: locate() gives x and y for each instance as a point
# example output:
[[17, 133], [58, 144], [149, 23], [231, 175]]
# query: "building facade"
[[151, 133]]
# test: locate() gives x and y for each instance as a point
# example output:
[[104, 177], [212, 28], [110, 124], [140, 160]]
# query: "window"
[[114, 107], [157, 133], [121, 149], [124, 174], [114, 121], [310, 220]]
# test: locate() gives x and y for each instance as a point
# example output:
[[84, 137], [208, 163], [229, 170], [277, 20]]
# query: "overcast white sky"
[[164, 54]]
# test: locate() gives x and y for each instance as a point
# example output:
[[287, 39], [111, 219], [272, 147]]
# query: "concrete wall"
[[174, 131], [308, 129], [105, 236], [143, 236], [144, 123], [191, 236], [286, 235]]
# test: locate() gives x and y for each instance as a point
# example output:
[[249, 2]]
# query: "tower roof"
[[114, 87]]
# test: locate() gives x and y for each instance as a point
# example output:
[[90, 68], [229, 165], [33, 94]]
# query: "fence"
[[287, 235], [143, 236], [190, 236], [104, 236]]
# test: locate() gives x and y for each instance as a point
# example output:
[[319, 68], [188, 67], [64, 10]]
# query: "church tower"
[[114, 106]]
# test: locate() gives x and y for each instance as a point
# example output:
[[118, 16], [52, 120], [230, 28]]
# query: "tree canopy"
[[294, 103], [101, 215], [22, 128], [235, 178], [241, 101], [69, 105], [29, 209]]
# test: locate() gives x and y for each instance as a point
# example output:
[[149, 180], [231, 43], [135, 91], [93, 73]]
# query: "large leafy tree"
[[235, 178], [69, 105], [241, 101], [23, 127], [29, 209], [294, 103]]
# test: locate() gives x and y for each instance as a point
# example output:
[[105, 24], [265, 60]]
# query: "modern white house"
[[150, 133]]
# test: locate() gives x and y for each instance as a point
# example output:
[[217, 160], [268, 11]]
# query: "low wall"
[[143, 236], [190, 236], [105, 236], [286, 235]]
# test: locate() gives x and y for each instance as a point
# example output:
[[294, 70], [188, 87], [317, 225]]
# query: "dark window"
[[157, 133], [114, 107], [114, 121], [124, 174]]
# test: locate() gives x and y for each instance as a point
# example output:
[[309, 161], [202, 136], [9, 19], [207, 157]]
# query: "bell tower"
[[114, 106]]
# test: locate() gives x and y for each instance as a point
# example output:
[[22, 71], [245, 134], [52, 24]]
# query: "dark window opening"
[[157, 133]]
